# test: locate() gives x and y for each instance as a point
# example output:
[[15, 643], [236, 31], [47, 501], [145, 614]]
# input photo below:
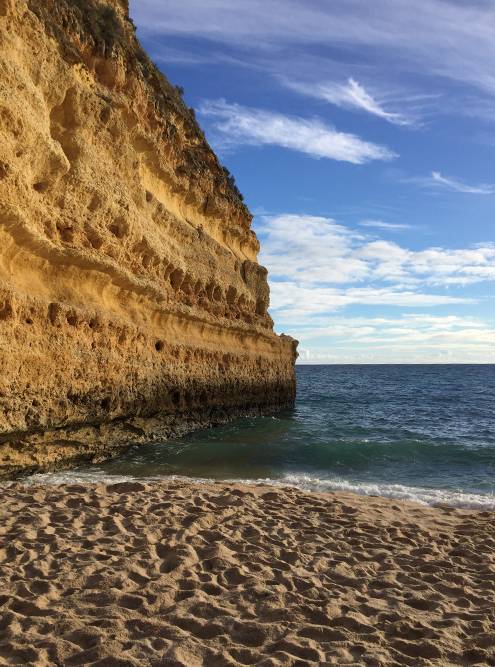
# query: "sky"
[[362, 135]]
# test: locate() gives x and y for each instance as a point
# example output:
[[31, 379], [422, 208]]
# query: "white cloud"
[[294, 303], [409, 338], [318, 253], [310, 250], [318, 267], [239, 125], [459, 186], [379, 224], [351, 95]]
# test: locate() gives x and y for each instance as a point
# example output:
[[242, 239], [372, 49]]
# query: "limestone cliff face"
[[131, 301]]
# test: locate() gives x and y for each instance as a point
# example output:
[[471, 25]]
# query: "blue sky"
[[362, 135]]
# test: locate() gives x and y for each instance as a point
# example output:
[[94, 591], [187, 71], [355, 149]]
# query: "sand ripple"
[[171, 574]]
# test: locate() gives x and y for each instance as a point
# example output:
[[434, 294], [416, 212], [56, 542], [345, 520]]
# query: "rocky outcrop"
[[131, 301]]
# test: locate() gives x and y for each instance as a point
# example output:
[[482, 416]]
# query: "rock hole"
[[72, 319], [186, 286], [53, 311], [231, 296], [95, 203], [72, 397], [119, 228], [260, 307], [4, 170], [105, 403], [29, 320], [159, 345], [95, 240], [105, 115], [6, 310], [149, 196], [65, 233], [176, 278], [41, 186]]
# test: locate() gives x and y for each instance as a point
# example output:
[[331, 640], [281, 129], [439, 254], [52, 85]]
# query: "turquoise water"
[[420, 432]]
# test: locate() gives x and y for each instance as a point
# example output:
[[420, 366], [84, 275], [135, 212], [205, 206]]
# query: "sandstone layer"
[[131, 301]]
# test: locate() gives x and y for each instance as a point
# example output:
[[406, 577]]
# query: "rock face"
[[131, 302]]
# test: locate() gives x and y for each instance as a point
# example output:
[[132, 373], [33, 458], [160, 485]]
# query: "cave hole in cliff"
[[53, 312], [95, 240], [176, 278], [231, 295], [119, 228], [105, 114], [66, 232], [260, 307], [105, 403], [4, 170], [6, 310], [159, 345]]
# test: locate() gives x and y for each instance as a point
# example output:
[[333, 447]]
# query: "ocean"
[[415, 432]]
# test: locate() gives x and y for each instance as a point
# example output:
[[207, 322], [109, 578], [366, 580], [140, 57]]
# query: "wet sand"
[[171, 574]]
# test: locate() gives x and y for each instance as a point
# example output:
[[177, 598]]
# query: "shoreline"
[[67, 447], [422, 496], [173, 573]]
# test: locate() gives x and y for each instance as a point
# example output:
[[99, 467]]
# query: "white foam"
[[416, 494], [424, 496], [80, 477]]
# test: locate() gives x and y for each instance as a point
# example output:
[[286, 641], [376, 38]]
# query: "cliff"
[[132, 305]]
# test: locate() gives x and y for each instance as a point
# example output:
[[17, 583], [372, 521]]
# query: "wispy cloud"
[[459, 186], [442, 38], [237, 125], [437, 182], [351, 95], [379, 224]]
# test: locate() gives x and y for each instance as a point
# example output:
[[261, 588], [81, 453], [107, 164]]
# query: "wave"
[[421, 495]]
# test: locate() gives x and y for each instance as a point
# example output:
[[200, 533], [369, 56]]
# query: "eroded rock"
[[131, 301]]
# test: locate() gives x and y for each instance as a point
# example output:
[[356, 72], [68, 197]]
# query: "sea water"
[[418, 432]]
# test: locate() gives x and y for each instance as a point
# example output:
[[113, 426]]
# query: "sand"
[[169, 573]]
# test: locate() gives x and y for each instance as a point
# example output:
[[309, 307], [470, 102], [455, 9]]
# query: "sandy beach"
[[170, 574]]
